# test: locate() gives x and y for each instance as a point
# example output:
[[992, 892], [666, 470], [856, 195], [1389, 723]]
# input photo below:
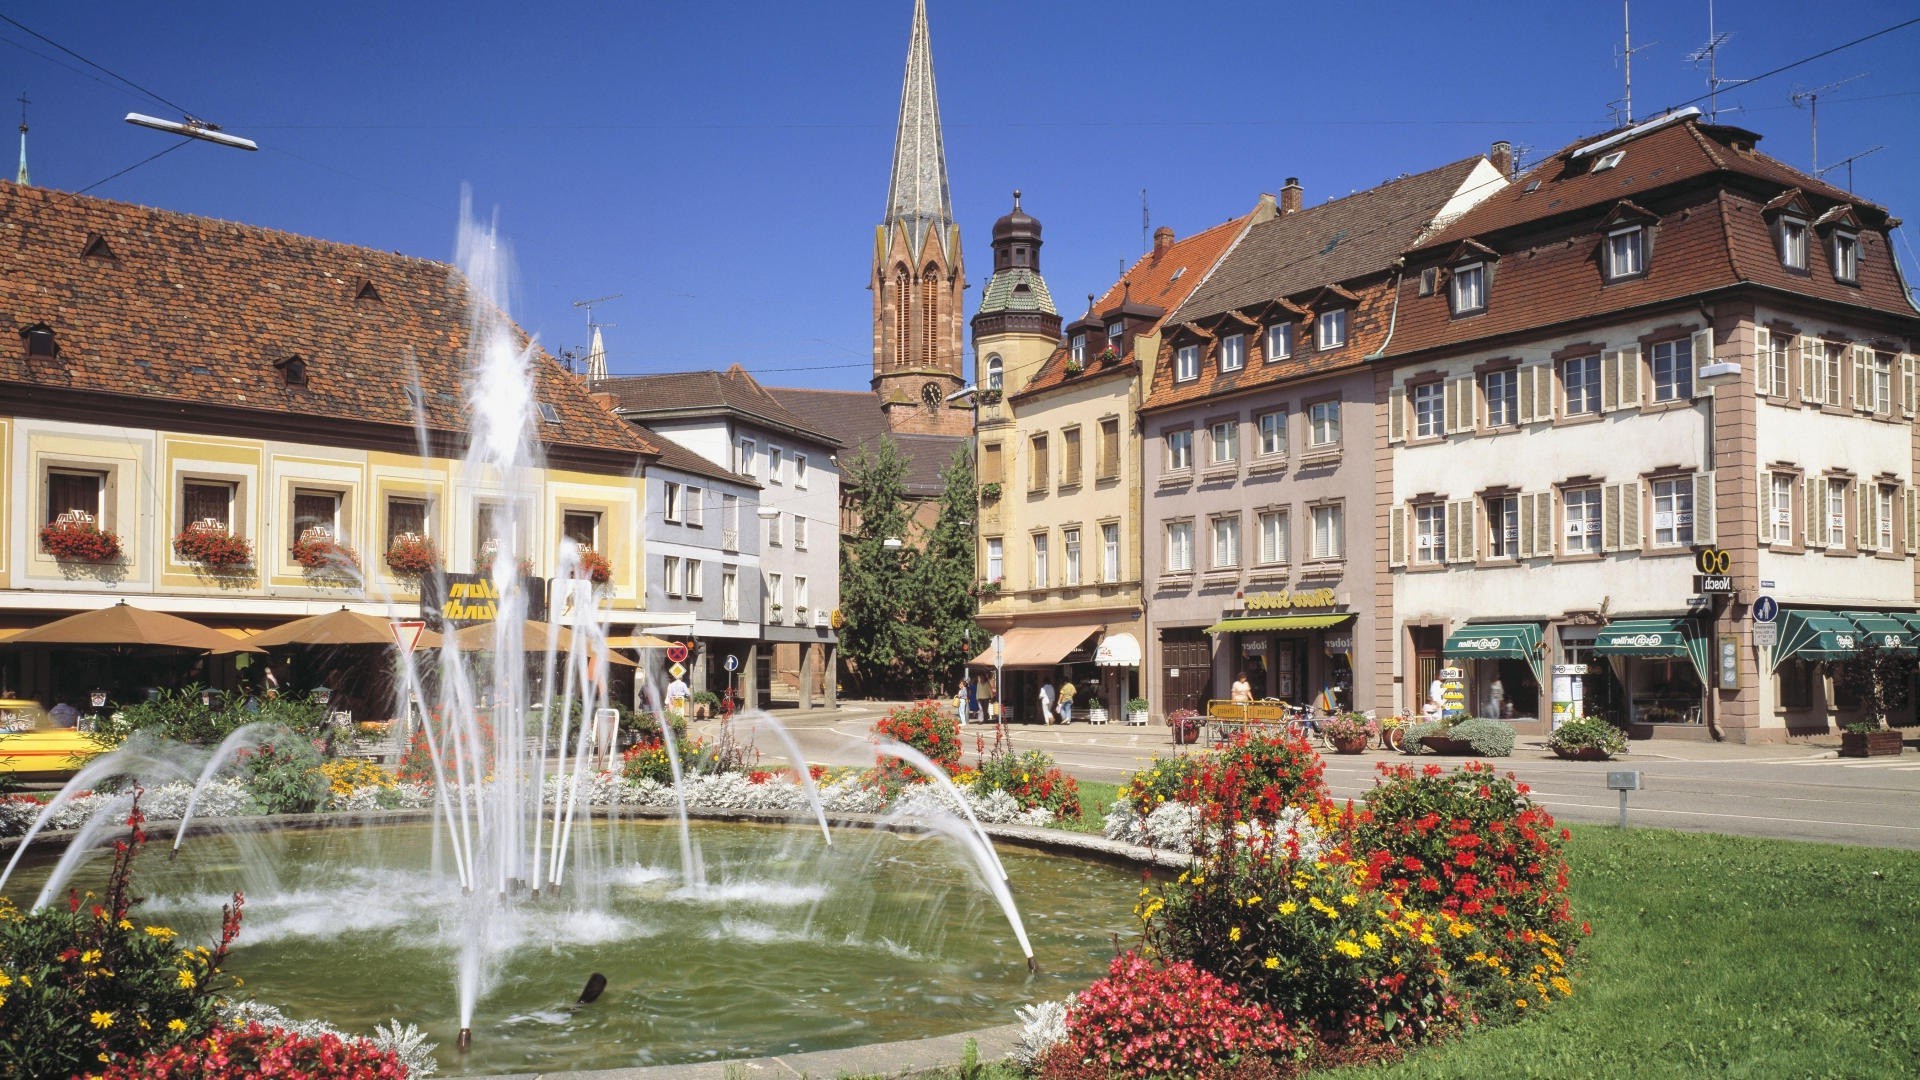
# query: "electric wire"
[[184, 111], [133, 166], [1802, 60]]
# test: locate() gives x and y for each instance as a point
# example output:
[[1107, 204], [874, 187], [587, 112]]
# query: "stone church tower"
[[919, 280]]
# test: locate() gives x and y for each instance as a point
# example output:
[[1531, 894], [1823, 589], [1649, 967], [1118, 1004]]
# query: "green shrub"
[[1588, 733], [284, 777], [83, 981], [642, 726], [1411, 735], [183, 716], [1135, 705], [1032, 779], [1490, 738]]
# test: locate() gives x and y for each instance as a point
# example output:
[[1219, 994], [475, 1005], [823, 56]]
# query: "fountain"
[[788, 942]]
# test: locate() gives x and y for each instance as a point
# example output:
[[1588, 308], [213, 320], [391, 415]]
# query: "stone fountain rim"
[[906, 1058]]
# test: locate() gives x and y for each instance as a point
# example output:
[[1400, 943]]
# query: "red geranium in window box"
[[210, 544], [411, 556], [78, 540], [595, 567], [324, 552]]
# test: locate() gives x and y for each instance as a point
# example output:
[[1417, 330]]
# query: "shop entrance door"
[[1427, 643], [1186, 669]]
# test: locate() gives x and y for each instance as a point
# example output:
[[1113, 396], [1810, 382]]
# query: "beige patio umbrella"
[[535, 636], [341, 627], [126, 626], [638, 641]]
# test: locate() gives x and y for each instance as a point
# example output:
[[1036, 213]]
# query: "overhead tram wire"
[[183, 110], [1804, 60], [134, 166]]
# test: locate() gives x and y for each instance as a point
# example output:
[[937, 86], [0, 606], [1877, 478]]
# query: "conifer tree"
[[946, 579], [883, 635]]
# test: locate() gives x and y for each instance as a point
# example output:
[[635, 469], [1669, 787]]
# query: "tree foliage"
[[947, 574]]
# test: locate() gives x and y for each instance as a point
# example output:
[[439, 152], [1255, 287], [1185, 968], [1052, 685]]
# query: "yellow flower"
[[1350, 900], [1562, 985], [1346, 948], [1272, 962], [102, 1020], [126, 924], [1372, 939], [25, 979], [1233, 934], [160, 932], [185, 979], [176, 1025], [1288, 907], [1253, 900], [90, 956], [1520, 1003], [5, 980]]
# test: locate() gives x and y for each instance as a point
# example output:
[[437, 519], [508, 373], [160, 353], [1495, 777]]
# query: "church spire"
[[917, 195], [596, 359], [21, 177]]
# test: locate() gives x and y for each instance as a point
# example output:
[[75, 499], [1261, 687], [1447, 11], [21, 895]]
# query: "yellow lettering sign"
[[1281, 601]]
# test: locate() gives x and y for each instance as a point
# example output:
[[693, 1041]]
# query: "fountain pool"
[[786, 944]]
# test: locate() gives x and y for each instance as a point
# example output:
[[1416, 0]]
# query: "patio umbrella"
[[536, 636], [123, 625], [638, 641], [341, 627]]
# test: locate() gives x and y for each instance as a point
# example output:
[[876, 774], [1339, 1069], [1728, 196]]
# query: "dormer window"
[[1846, 257], [1608, 161], [1279, 342], [293, 371], [1793, 243], [1469, 289], [1626, 253], [1186, 363], [40, 342], [1114, 330], [1233, 353], [1079, 348], [1330, 329]]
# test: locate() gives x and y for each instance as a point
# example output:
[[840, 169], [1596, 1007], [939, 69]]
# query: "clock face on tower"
[[930, 393]]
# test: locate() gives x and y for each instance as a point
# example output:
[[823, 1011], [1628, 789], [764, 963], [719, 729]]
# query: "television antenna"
[[594, 303], [1849, 164], [1146, 222], [1710, 55], [1623, 109], [1812, 98]]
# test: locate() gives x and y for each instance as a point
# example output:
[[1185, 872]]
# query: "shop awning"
[[1676, 636], [1506, 641], [1884, 630], [1278, 622], [1118, 650], [1036, 646], [1815, 634]]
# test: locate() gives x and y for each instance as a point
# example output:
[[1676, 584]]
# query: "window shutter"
[[1630, 537], [1862, 379], [1525, 545], [1450, 519], [1813, 513], [1864, 531], [1396, 414], [1630, 377], [1543, 391], [1610, 518], [1702, 356], [1609, 380], [1809, 371], [1763, 362], [1469, 533], [1523, 400], [1913, 521], [1397, 537], [1907, 385], [1450, 406], [1543, 530], [1465, 408], [1703, 508]]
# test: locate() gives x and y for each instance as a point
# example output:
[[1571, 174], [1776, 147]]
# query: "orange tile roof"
[[155, 311]]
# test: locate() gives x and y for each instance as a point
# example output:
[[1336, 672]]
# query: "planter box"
[[1440, 744], [1352, 745], [1139, 718], [1581, 753], [1870, 744], [1184, 734]]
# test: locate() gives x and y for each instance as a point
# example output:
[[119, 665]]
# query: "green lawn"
[[1095, 797], [1721, 956]]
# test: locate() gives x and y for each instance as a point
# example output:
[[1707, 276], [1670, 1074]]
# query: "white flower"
[[1044, 1026]]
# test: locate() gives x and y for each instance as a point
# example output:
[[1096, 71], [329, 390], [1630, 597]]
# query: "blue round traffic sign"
[[733, 663], [1765, 609]]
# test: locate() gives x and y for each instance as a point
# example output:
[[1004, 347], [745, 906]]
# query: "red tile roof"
[[183, 316], [696, 393]]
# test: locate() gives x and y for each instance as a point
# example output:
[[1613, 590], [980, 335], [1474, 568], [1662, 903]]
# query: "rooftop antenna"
[[1849, 164], [1812, 98], [21, 177], [1146, 222], [594, 303], [1623, 109], [1710, 52]]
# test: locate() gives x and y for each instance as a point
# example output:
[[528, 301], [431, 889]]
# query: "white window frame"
[[1469, 289], [1429, 533], [743, 460], [776, 597], [1836, 510], [1224, 442], [1179, 442], [696, 579], [1225, 531], [996, 371], [1779, 361], [1429, 400], [1670, 366], [1581, 509], [1626, 253], [1274, 548], [1279, 342], [1846, 256], [1273, 433], [1179, 547], [1503, 526], [800, 532], [1329, 527], [670, 579], [1501, 389], [1884, 501], [802, 599], [1672, 497], [1780, 487], [1186, 363], [1233, 353], [1330, 329], [729, 593], [1880, 384], [996, 558], [1079, 348], [1070, 551], [1110, 551], [673, 499], [776, 465], [800, 471], [1793, 243], [1323, 423], [1580, 385], [1039, 563]]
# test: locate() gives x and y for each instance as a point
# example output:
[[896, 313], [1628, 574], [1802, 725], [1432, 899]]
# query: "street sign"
[[677, 652], [406, 634], [678, 671], [732, 662], [1766, 635], [1765, 609], [1713, 584]]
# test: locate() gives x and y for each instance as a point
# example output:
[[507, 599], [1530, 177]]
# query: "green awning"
[[1278, 622], [1507, 641], [1678, 636], [1883, 630], [1815, 634]]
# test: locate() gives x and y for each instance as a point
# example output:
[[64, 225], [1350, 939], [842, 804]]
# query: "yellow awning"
[[1278, 622], [1036, 646]]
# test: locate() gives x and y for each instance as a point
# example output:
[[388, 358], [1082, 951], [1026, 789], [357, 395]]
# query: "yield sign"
[[406, 634]]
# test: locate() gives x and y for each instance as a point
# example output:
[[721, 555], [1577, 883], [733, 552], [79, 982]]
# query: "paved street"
[[1797, 791]]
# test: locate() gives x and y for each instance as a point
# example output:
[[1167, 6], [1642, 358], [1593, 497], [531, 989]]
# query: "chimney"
[[1290, 196], [1162, 239], [1502, 157]]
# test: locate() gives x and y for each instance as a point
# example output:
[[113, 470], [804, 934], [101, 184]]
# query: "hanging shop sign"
[[468, 599], [1290, 600], [1339, 645]]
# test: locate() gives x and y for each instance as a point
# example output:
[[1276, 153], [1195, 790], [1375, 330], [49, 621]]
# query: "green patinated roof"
[[1004, 293]]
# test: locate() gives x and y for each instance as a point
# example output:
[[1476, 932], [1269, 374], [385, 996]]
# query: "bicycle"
[[1303, 723]]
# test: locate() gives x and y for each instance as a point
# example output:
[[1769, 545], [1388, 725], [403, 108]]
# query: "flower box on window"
[[1075, 367], [990, 491], [75, 538], [990, 396], [210, 544], [595, 567], [318, 550], [411, 555], [1108, 356]]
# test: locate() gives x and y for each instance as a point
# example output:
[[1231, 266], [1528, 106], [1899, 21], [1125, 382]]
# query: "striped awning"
[[1278, 622], [1672, 636], [1883, 630], [1815, 634], [1505, 641]]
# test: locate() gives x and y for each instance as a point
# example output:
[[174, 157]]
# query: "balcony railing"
[[730, 539]]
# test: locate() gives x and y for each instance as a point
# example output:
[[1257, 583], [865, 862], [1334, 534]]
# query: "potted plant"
[[1349, 732], [990, 491], [1137, 710], [990, 588], [1392, 728], [990, 396], [1185, 725], [319, 551], [78, 539], [1880, 679], [1097, 713], [1440, 737], [1108, 355], [704, 702], [595, 567], [1075, 366], [211, 545], [1588, 738], [411, 556]]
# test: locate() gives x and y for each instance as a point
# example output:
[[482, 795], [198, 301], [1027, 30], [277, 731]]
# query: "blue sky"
[[723, 165]]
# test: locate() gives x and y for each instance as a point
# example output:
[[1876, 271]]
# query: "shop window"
[[1795, 679], [1665, 690]]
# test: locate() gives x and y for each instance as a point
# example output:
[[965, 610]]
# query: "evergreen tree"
[[884, 633], [946, 575]]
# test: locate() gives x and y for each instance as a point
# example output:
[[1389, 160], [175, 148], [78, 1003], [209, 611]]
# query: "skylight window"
[[549, 414], [1608, 160], [1532, 186]]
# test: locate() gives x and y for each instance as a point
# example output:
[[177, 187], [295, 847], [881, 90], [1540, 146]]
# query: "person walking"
[[1242, 690], [1066, 702], [1046, 701]]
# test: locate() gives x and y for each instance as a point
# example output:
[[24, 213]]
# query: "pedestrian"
[[677, 697], [1046, 701], [1242, 689], [1066, 701]]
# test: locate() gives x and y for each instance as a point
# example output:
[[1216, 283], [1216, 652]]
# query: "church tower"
[[919, 280], [1016, 328]]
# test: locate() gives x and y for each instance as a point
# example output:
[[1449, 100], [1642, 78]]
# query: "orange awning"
[[1036, 646]]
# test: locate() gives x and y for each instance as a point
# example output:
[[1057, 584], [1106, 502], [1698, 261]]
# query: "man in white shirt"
[[1046, 701]]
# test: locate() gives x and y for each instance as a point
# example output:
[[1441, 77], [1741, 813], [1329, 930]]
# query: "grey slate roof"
[[1334, 241], [856, 416], [682, 394]]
